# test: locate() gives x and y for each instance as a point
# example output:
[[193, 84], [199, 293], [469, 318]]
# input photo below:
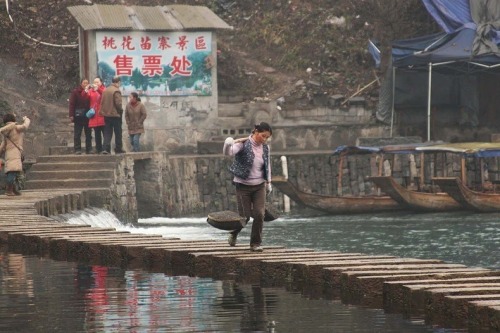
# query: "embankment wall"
[[194, 185]]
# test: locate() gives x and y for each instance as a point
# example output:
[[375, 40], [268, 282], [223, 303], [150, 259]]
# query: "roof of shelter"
[[147, 18], [471, 35], [479, 149], [438, 48], [404, 148]]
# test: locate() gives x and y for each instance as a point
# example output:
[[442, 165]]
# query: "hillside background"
[[272, 45]]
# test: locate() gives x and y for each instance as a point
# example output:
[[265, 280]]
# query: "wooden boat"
[[457, 188], [469, 199], [419, 201], [336, 204]]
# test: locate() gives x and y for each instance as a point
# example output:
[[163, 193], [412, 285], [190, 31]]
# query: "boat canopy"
[[348, 150], [405, 148], [475, 149], [408, 148]]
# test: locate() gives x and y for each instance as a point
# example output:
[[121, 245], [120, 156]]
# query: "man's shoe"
[[256, 248], [231, 239], [105, 152], [78, 152]]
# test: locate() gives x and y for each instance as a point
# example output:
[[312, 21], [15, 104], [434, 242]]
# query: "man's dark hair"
[[8, 117], [116, 79]]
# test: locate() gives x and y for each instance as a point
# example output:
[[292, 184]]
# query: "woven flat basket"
[[226, 220], [229, 220]]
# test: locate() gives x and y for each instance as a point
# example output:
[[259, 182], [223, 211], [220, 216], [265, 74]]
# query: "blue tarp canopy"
[[470, 42], [440, 48], [451, 15], [471, 34]]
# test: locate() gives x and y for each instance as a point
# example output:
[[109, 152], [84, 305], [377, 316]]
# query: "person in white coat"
[[12, 149]]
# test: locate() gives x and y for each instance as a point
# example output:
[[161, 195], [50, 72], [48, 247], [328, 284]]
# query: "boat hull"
[[335, 204], [418, 201], [469, 199]]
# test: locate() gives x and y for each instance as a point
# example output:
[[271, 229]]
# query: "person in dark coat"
[[112, 110], [79, 104], [135, 114]]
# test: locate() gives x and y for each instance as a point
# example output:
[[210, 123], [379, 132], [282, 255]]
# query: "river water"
[[43, 295]]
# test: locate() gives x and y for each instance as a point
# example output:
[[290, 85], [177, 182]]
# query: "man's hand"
[[269, 188]]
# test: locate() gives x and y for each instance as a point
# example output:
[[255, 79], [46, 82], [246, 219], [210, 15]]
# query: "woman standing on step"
[[252, 177], [135, 114], [12, 147], [94, 92]]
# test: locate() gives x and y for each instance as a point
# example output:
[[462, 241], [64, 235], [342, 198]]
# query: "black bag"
[[271, 213], [79, 113], [22, 156]]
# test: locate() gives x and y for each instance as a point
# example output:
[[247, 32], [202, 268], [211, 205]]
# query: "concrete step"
[[67, 183], [70, 174], [61, 150], [69, 166], [66, 150], [78, 158]]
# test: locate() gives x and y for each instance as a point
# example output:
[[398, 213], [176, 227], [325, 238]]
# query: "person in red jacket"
[[79, 104], [96, 121]]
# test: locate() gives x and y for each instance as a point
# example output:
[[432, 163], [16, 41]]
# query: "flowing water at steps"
[[94, 298]]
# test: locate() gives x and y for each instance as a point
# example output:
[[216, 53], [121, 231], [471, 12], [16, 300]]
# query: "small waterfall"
[[184, 228], [92, 216]]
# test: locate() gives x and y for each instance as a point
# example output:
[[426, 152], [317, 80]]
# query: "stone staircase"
[[72, 172], [107, 181]]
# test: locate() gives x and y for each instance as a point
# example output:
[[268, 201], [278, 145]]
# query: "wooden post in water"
[[339, 181], [380, 170], [380, 164], [481, 172], [422, 169], [464, 172]]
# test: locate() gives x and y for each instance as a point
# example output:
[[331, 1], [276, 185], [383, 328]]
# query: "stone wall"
[[155, 184], [123, 200], [175, 186]]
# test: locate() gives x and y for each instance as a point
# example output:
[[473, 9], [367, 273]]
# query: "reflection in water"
[[52, 296], [252, 305]]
